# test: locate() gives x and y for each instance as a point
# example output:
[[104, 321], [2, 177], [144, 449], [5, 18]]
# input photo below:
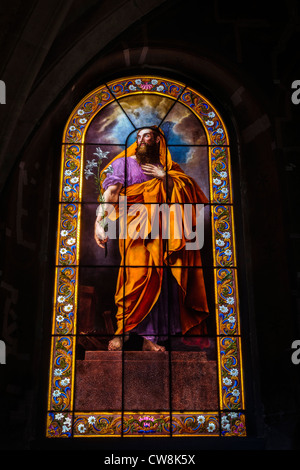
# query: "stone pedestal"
[[98, 381], [147, 382], [194, 381]]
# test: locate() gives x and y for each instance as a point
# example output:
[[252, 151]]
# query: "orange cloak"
[[143, 258]]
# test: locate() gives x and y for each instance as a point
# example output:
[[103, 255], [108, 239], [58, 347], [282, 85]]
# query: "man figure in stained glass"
[[147, 175]]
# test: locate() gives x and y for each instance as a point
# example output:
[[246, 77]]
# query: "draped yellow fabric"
[[142, 259]]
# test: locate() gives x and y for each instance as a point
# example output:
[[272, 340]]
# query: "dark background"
[[243, 56]]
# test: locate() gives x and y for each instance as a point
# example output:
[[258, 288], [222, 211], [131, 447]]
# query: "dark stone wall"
[[244, 59]]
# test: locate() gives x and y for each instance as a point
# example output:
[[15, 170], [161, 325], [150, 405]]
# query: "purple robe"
[[134, 173]]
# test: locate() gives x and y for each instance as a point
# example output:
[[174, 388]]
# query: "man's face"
[[147, 136], [147, 146]]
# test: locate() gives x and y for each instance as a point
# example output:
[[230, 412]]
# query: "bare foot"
[[116, 343], [150, 346]]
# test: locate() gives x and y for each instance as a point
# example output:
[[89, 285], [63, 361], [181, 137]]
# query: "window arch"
[[102, 126]]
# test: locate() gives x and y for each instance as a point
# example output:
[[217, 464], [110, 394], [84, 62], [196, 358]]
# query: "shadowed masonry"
[[154, 221]]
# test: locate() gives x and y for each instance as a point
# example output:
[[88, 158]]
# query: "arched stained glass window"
[[146, 331]]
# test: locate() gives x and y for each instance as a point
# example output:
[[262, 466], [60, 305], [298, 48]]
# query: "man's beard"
[[147, 153]]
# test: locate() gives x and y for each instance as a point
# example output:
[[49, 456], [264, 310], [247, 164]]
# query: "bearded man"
[[146, 174]]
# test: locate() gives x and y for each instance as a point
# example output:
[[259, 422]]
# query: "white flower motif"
[[66, 428], [217, 181], [211, 114], [91, 163], [138, 81], [234, 372], [68, 308], [231, 319], [65, 381], [209, 123], [91, 420], [220, 243], [81, 428], [211, 427], [72, 128], [68, 173], [59, 318], [80, 112], [100, 154], [132, 87], [63, 251], [220, 131], [226, 427], [223, 174], [154, 82], [61, 299], [223, 309], [228, 252], [224, 191], [88, 173], [160, 88], [68, 421], [71, 241], [59, 416], [201, 419], [233, 415], [227, 381], [56, 393], [235, 393], [230, 300], [74, 180], [67, 189], [226, 235], [64, 233], [57, 372], [82, 120]]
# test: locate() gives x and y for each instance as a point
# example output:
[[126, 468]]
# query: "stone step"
[[146, 381]]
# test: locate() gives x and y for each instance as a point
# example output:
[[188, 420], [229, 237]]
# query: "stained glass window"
[[177, 368]]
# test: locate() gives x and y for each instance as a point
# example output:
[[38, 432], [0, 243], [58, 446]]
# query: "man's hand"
[[100, 235], [153, 170], [159, 173], [110, 196]]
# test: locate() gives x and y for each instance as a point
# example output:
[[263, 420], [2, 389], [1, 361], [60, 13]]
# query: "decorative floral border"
[[60, 424], [60, 405], [223, 236], [84, 113], [227, 302], [212, 122], [230, 373], [67, 236], [145, 85], [233, 424], [146, 424], [61, 373], [221, 191], [66, 300], [70, 177], [228, 424]]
